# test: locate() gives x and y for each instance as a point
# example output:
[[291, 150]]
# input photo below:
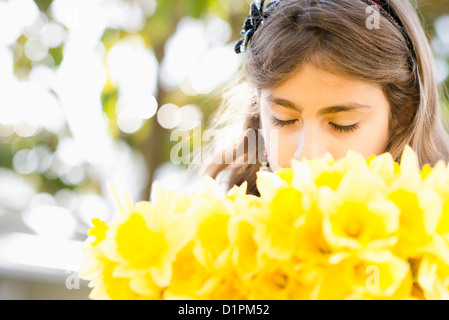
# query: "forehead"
[[315, 87]]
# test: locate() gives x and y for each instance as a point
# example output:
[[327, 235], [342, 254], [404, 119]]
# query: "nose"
[[310, 143]]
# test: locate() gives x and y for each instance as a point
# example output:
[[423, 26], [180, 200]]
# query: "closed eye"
[[344, 129], [282, 123]]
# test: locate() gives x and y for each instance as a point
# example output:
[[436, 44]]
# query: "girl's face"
[[317, 112]]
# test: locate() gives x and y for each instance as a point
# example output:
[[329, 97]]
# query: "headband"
[[257, 16]]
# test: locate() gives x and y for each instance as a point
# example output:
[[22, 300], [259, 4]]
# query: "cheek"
[[377, 133], [373, 138], [379, 140]]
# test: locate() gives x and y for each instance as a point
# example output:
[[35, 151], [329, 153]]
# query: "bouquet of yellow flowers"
[[352, 228]]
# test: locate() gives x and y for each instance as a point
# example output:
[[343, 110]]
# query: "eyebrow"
[[348, 106]]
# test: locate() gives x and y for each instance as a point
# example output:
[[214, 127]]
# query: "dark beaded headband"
[[258, 15], [385, 10]]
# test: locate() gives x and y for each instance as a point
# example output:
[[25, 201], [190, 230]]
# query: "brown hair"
[[332, 35]]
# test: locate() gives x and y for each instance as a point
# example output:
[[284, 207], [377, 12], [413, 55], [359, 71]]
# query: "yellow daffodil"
[[419, 214], [351, 228], [147, 238], [283, 280], [357, 225], [409, 176], [98, 231], [190, 277], [366, 275], [278, 221], [226, 287], [245, 251], [433, 277], [286, 174], [212, 238], [383, 166]]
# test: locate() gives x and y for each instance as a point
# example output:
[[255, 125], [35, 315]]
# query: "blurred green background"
[[90, 91]]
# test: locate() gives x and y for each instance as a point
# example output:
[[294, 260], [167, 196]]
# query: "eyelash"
[[342, 129], [280, 123]]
